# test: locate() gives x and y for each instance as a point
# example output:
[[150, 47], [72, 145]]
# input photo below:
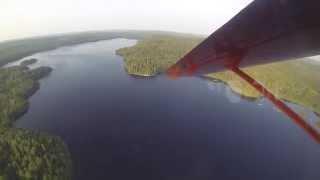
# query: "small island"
[[28, 62]]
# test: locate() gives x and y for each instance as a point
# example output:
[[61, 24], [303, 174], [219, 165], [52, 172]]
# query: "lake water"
[[120, 127]]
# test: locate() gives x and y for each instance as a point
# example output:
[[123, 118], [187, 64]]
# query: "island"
[[28, 62]]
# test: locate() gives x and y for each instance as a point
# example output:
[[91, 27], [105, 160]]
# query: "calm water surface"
[[120, 127]]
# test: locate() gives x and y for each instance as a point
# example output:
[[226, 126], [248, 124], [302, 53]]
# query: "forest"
[[14, 50], [155, 54], [295, 81], [25, 154], [32, 155], [16, 85]]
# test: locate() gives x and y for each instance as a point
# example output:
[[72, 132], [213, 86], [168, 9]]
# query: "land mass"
[[32, 155], [25, 154], [28, 62], [14, 50], [296, 81], [156, 54], [17, 84]]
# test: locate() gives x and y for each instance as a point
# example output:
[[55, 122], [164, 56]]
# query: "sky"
[[26, 18]]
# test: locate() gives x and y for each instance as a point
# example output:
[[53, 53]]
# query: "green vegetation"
[[17, 49], [29, 155], [28, 62], [156, 54], [25, 154], [16, 85], [295, 81]]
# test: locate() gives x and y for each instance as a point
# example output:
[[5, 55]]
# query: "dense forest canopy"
[[25, 154]]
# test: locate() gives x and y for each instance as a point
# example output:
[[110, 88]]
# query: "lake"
[[121, 127]]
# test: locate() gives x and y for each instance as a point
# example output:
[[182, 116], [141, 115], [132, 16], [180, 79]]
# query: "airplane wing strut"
[[265, 31], [279, 104]]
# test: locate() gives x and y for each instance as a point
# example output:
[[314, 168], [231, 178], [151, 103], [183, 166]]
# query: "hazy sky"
[[24, 18]]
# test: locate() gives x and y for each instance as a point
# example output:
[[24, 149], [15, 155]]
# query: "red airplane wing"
[[265, 31]]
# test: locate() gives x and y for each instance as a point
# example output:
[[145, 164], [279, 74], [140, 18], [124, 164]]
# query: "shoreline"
[[215, 80], [207, 78], [33, 90], [51, 149], [140, 75]]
